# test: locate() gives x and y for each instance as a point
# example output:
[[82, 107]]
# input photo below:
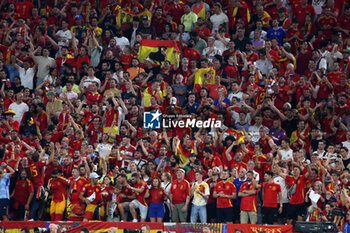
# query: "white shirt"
[[279, 180], [221, 46], [286, 154], [347, 145], [43, 63], [104, 149], [262, 35], [254, 130], [211, 55], [217, 20], [264, 66], [65, 36], [238, 95], [89, 81], [199, 200], [122, 42], [27, 77], [20, 109], [318, 4]]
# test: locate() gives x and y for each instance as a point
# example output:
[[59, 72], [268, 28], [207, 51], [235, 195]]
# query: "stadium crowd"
[[73, 93]]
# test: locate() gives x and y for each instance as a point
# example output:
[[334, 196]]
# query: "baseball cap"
[[78, 17], [51, 93], [145, 17], [94, 175], [173, 100]]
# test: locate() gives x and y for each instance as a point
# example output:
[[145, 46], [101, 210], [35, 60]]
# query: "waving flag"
[[151, 47], [125, 18], [204, 76]]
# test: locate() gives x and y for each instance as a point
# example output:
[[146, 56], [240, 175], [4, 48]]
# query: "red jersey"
[[177, 10], [92, 98], [265, 142], [157, 195], [110, 116], [141, 196], [214, 162], [14, 125], [227, 188], [48, 171], [61, 60], [58, 188], [24, 9], [36, 173], [249, 203], [127, 192], [180, 191], [301, 12], [238, 165], [77, 186], [191, 53], [42, 121], [191, 175], [299, 196], [89, 190], [271, 192], [327, 21], [22, 191]]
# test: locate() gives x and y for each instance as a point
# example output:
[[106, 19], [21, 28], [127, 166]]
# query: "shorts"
[[295, 210], [284, 210], [156, 210], [224, 215], [143, 209], [269, 215], [57, 207], [89, 211], [4, 206]]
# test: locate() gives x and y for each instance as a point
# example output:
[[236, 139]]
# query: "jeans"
[[200, 211], [35, 205]]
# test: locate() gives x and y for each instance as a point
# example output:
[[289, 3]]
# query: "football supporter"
[[99, 109], [180, 196]]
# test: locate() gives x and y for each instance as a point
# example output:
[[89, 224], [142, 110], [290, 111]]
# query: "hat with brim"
[[9, 112]]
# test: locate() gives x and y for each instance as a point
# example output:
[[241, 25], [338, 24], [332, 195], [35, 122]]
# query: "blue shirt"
[[226, 101], [193, 108], [280, 33], [4, 186], [237, 182]]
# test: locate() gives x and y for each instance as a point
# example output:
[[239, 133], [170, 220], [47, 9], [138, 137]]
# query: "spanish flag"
[[199, 10], [204, 76], [239, 135], [153, 46], [184, 155], [125, 18]]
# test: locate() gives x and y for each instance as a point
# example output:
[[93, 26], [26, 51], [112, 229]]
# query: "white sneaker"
[[134, 220]]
